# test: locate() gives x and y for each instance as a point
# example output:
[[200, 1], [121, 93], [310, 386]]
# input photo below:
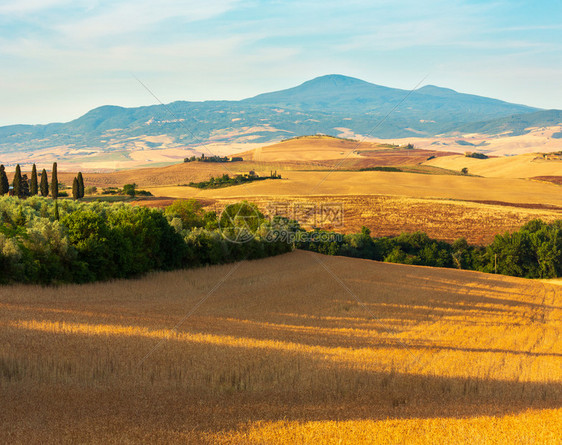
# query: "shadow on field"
[[141, 412], [88, 387]]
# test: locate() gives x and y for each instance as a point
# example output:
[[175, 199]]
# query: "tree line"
[[534, 251], [47, 243], [227, 181], [42, 242], [24, 187], [204, 158]]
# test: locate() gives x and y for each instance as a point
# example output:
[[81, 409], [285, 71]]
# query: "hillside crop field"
[[436, 200], [319, 170], [340, 153], [299, 348], [181, 173], [499, 194], [312, 183], [442, 219], [446, 207], [522, 166]]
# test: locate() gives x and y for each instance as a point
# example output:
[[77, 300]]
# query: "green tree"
[[130, 189], [75, 189], [54, 182], [509, 254], [4, 183], [190, 212], [461, 254], [464, 171], [240, 222], [17, 181], [44, 183], [80, 185], [33, 187], [89, 234], [24, 187]]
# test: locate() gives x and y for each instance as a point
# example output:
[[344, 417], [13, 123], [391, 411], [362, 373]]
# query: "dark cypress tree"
[[44, 183], [54, 182], [57, 209], [4, 183], [24, 187], [75, 189], [80, 185], [33, 186], [17, 181]]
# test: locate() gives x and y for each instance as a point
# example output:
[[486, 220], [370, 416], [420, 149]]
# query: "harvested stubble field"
[[411, 185], [282, 353], [446, 207], [442, 219], [522, 166], [340, 153]]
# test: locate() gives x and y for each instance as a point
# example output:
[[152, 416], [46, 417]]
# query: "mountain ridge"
[[332, 104]]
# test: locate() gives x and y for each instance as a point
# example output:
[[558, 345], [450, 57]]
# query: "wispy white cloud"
[[22, 7], [133, 16]]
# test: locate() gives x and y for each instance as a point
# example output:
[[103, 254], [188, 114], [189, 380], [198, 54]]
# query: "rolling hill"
[[522, 166], [334, 104]]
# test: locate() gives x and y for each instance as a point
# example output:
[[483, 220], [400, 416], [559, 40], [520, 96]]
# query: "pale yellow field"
[[284, 352], [309, 149], [522, 166], [313, 148], [384, 183], [137, 152], [538, 140]]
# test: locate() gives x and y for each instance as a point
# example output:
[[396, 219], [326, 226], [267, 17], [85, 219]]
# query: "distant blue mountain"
[[322, 105], [341, 94]]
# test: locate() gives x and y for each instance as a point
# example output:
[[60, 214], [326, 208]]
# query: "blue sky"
[[61, 58]]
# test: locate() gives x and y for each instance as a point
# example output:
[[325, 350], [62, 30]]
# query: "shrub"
[[469, 154]]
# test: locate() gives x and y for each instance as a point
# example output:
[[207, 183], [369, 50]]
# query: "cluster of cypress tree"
[[4, 183], [78, 186], [23, 187]]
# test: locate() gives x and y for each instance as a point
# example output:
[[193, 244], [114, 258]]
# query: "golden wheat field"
[[410, 185], [444, 219], [446, 207], [299, 348], [522, 166], [342, 153]]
